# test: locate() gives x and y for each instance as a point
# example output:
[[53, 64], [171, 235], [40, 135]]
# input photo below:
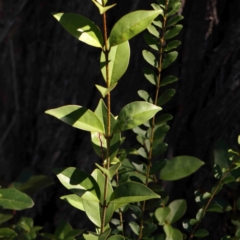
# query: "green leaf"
[[116, 237], [161, 214], [151, 41], [118, 61], [79, 182], [135, 114], [5, 216], [172, 233], [132, 192], [153, 31], [180, 167], [130, 25], [11, 198], [200, 214], [221, 154], [74, 200], [145, 96], [77, 117], [156, 7], [7, 233], [105, 234], [111, 171], [135, 227], [104, 91], [90, 236], [163, 119], [201, 233], [175, 19], [166, 96], [177, 210], [173, 8], [62, 230], [169, 59], [168, 80], [173, 32], [81, 28], [148, 230], [150, 75], [102, 9], [172, 45], [150, 58]]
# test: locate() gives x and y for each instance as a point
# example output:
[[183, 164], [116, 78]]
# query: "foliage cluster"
[[130, 181]]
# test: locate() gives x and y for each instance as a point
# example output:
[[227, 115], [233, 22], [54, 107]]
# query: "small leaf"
[[74, 200], [177, 210], [169, 59], [7, 233], [77, 117], [91, 236], [180, 167], [145, 96], [81, 28], [11, 198], [150, 58], [172, 233], [118, 61], [132, 192], [135, 114], [175, 19], [151, 41], [201, 233], [161, 214], [142, 152], [104, 91], [150, 75], [130, 25], [168, 80], [173, 8], [166, 96], [156, 7], [5, 216], [200, 214], [153, 30], [111, 171], [173, 32], [172, 45], [102, 9], [116, 237], [135, 227], [163, 119], [79, 182], [148, 230]]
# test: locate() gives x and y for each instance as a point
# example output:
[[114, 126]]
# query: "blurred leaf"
[[168, 80], [161, 214], [201, 233], [13, 199], [101, 8], [77, 117], [175, 19], [163, 118], [177, 210], [7, 233], [180, 167], [130, 25], [148, 230], [81, 28], [169, 59], [152, 41], [118, 61], [5, 216], [135, 227], [172, 233], [172, 45], [166, 96]]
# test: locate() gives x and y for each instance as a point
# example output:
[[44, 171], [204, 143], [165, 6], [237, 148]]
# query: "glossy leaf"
[[77, 117], [134, 227], [104, 91], [132, 192], [173, 32], [175, 19], [135, 114], [168, 80], [116, 237], [130, 25], [81, 28], [159, 148], [150, 58], [152, 41], [172, 233], [11, 198], [161, 214], [118, 61], [144, 95], [173, 8], [169, 59], [180, 167], [177, 210], [153, 31], [166, 96], [201, 233], [150, 75], [7, 233], [101, 8], [79, 182], [172, 45], [74, 200]]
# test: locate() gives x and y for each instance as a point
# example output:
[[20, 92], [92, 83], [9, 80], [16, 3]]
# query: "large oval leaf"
[[132, 192], [130, 25], [180, 167], [78, 117], [79, 182], [81, 28], [118, 60], [11, 198], [135, 114]]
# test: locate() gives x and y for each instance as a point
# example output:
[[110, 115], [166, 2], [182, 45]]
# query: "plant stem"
[[108, 134], [162, 42]]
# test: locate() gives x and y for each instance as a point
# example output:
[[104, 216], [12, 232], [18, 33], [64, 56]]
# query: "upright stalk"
[[162, 43], [108, 134]]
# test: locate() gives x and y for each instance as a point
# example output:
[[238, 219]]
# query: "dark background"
[[43, 67]]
